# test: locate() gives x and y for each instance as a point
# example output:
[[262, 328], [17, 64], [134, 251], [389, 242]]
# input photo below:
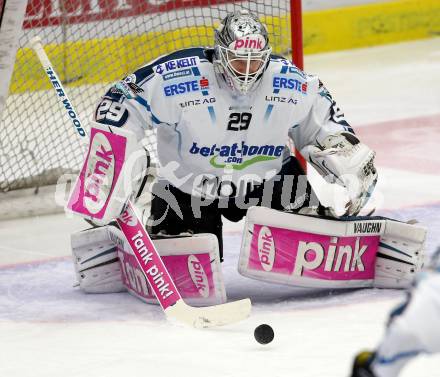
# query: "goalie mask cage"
[[92, 44]]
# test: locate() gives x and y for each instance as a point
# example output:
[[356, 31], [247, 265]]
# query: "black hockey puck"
[[264, 334]]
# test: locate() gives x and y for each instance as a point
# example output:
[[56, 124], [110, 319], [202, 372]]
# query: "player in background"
[[413, 328], [223, 118]]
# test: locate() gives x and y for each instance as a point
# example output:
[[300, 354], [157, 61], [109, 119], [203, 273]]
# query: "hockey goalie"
[[223, 117]]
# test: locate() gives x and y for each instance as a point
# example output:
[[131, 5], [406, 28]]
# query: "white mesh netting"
[[91, 44]]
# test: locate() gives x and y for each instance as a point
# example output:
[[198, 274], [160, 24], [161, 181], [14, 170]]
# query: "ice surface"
[[49, 328]]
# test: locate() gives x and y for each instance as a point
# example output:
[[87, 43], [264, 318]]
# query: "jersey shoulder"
[[167, 65], [282, 65], [286, 76], [164, 69]]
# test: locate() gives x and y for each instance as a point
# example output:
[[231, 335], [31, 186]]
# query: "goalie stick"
[[144, 250]]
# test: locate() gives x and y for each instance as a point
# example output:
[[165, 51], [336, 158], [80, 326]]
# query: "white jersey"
[[206, 134], [415, 329]]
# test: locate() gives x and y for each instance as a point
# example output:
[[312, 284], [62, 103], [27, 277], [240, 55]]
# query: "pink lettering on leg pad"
[[315, 256], [191, 273]]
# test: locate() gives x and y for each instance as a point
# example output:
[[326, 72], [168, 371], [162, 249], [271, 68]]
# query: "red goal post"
[[93, 43]]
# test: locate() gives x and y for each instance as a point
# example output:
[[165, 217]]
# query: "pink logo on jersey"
[[256, 42], [313, 255]]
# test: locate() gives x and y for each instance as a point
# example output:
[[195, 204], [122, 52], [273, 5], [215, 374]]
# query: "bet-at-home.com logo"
[[238, 156]]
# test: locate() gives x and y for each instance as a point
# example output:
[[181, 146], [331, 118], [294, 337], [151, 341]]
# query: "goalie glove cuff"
[[342, 159]]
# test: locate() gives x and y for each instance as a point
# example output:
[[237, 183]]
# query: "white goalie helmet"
[[242, 50]]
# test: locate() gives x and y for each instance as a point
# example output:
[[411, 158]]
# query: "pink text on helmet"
[[251, 42]]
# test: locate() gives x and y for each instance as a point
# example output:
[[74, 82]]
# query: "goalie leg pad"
[[104, 263], [400, 254], [96, 263], [192, 261], [310, 251]]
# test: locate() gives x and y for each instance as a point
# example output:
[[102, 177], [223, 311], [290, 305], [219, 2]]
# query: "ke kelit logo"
[[288, 83], [186, 87], [251, 42], [266, 248], [198, 276], [172, 65], [177, 74], [234, 155], [99, 173]]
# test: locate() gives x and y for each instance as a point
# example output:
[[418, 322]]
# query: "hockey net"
[[93, 43]]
